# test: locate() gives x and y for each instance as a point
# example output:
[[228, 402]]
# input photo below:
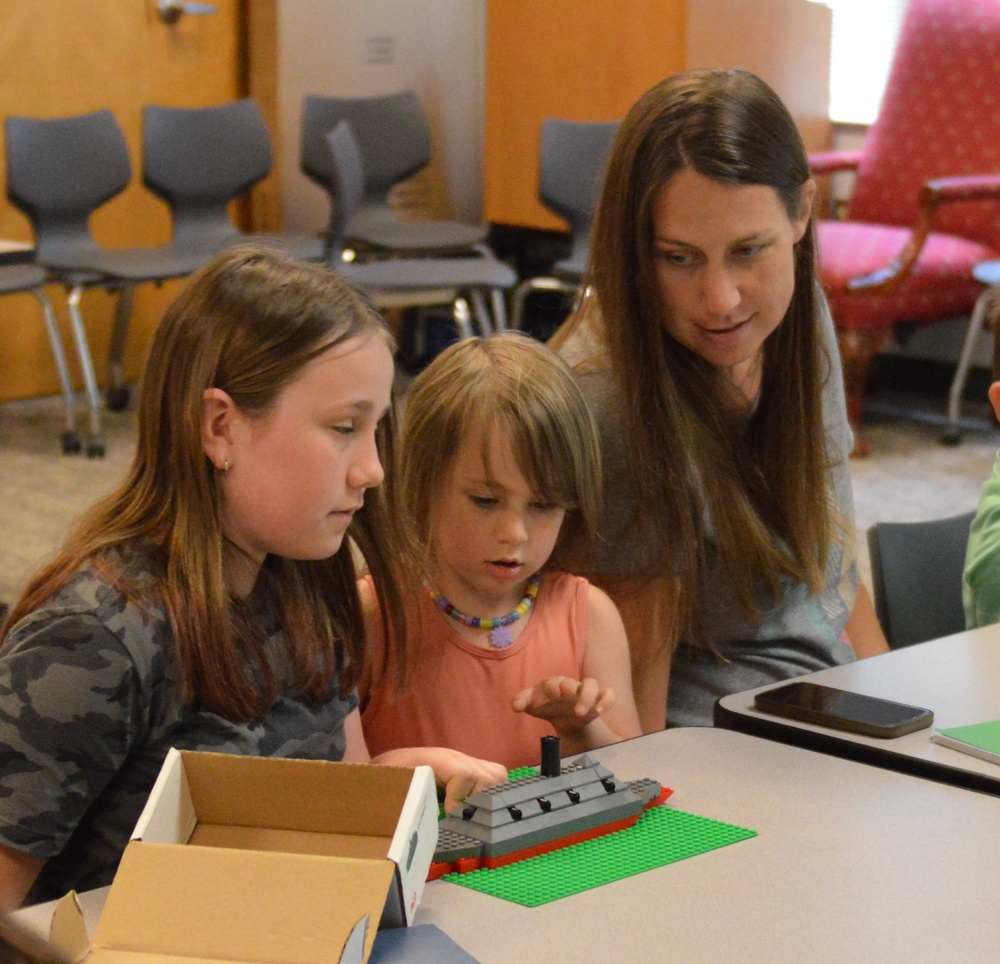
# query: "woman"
[[708, 354]]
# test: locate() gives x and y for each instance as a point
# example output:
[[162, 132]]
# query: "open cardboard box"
[[265, 860]]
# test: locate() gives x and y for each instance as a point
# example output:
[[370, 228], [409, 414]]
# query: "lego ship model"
[[560, 806]]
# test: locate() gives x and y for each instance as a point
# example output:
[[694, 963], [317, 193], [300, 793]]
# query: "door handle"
[[172, 10]]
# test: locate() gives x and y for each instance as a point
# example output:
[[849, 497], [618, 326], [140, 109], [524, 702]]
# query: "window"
[[864, 37]]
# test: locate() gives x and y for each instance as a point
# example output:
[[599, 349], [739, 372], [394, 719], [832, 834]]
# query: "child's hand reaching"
[[459, 773], [570, 705]]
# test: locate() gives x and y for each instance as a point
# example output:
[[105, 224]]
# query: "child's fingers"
[[522, 700], [587, 697]]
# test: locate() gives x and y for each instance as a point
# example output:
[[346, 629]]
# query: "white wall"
[[357, 48]]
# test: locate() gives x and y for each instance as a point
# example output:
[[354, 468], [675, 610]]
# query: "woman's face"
[[725, 268]]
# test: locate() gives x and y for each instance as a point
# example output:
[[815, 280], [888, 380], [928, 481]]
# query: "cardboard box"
[[269, 860]]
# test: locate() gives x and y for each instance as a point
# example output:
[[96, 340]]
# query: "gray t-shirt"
[[800, 634], [89, 705]]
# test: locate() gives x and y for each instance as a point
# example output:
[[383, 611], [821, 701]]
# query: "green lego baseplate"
[[661, 836]]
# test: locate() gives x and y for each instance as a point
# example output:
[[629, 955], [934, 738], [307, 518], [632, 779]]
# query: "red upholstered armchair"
[[926, 202]]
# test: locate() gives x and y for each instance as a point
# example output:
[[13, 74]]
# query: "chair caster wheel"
[[118, 398], [95, 448], [951, 436], [70, 442]]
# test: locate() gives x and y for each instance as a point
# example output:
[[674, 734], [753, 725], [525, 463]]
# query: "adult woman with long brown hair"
[[707, 352], [210, 601]]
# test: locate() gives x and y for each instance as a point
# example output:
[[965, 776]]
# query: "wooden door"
[[64, 57]]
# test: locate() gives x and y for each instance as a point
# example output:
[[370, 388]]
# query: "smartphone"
[[841, 710]]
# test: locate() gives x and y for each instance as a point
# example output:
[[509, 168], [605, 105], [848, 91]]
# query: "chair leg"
[[70, 438], [499, 303], [857, 349], [517, 305], [986, 307], [117, 392], [480, 312], [95, 444], [463, 319]]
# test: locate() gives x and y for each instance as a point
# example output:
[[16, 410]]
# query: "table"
[[852, 863], [957, 677]]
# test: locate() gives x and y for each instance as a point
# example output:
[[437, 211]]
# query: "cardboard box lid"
[[254, 792], [230, 905]]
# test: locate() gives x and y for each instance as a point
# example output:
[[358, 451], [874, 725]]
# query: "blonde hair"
[[514, 384], [247, 323]]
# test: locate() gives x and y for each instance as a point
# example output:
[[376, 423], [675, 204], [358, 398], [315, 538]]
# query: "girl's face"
[[725, 269], [490, 532], [299, 472]]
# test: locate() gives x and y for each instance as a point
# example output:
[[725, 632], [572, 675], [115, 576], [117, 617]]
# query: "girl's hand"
[[569, 705], [459, 774], [462, 775]]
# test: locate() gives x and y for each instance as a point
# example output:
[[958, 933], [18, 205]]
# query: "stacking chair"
[[31, 278], [917, 577], [476, 275], [571, 167], [925, 207], [59, 171], [394, 141], [198, 160]]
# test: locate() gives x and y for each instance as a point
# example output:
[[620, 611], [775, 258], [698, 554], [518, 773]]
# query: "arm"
[[458, 774], [863, 629], [648, 612], [17, 873], [981, 578], [598, 709]]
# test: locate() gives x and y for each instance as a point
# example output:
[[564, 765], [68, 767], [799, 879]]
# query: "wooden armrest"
[[933, 194], [827, 162]]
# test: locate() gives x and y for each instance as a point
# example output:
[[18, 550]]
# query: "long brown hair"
[[247, 323], [763, 481], [517, 385]]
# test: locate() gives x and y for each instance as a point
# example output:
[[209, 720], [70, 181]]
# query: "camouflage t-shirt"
[[89, 706]]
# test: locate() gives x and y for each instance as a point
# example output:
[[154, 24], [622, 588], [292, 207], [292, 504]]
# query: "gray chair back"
[[346, 181], [199, 159], [391, 132], [571, 170], [59, 171], [917, 577]]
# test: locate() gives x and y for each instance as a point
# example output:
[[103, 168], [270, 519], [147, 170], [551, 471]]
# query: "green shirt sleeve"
[[981, 580]]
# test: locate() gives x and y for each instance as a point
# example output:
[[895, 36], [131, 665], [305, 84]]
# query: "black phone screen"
[[842, 710]]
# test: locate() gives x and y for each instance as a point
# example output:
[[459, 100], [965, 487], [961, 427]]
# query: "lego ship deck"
[[536, 814]]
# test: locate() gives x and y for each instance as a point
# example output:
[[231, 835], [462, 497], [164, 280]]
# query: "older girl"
[[209, 602]]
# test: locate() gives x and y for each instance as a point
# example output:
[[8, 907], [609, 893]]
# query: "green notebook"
[[979, 739]]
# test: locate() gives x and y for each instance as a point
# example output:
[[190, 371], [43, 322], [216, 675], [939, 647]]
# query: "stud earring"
[[224, 468]]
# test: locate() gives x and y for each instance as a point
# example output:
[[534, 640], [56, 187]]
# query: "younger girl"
[[210, 601], [501, 460]]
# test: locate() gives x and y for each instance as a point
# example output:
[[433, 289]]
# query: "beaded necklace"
[[500, 635]]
